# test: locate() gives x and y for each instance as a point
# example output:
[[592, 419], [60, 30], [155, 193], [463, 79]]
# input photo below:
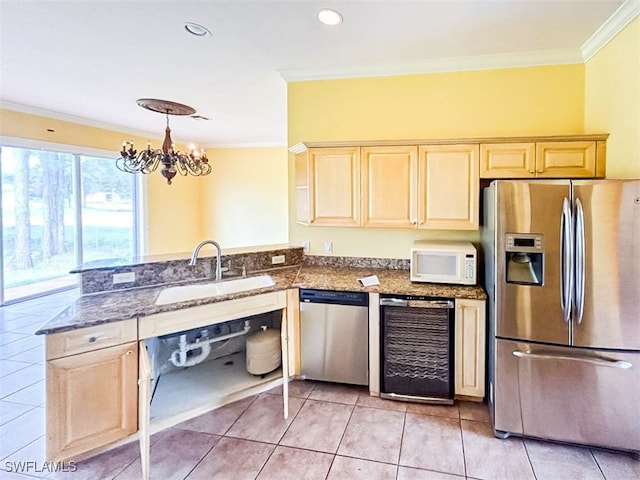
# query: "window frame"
[[140, 241]]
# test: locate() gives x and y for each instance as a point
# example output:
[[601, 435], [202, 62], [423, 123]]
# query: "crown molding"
[[31, 144], [453, 64], [609, 29], [248, 145], [18, 107], [65, 117]]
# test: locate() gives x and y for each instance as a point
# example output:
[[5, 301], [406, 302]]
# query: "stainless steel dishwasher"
[[334, 336]]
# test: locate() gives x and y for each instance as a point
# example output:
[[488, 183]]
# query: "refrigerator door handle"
[[566, 260], [602, 362], [580, 262]]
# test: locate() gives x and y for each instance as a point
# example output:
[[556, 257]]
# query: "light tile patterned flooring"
[[333, 432]]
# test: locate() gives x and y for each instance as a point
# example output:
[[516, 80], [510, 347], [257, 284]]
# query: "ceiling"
[[89, 60]]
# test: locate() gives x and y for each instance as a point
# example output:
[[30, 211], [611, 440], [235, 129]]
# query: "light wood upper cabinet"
[[470, 334], [430, 184], [389, 186], [507, 160], [91, 400], [548, 159], [448, 187], [328, 186], [567, 159]]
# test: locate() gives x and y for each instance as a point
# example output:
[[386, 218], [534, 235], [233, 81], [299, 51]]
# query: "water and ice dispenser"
[[524, 258]]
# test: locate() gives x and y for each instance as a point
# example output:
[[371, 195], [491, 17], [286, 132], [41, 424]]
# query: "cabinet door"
[[335, 186], [470, 332], [389, 186], [566, 159], [507, 160], [449, 187], [91, 400]]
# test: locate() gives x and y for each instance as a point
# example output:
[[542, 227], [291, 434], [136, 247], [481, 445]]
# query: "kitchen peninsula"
[[102, 351]]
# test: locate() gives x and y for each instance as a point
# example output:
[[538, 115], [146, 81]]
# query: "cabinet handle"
[[532, 171], [413, 222], [92, 339], [540, 171], [129, 352]]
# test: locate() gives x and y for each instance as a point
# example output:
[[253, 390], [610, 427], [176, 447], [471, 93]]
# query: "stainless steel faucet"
[[194, 256]]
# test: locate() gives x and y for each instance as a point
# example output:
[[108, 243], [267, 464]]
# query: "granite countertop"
[[391, 281], [100, 308]]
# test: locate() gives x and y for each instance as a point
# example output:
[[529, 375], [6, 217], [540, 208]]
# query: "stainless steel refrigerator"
[[562, 270]]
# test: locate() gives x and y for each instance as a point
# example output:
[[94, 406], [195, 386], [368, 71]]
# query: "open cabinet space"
[[193, 372], [181, 395], [204, 357]]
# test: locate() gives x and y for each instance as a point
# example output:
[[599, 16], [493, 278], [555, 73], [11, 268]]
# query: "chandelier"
[[193, 163]]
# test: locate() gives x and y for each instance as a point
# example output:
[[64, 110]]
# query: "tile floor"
[[333, 432]]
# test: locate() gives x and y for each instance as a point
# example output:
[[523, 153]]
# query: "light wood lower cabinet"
[[470, 335], [91, 400]]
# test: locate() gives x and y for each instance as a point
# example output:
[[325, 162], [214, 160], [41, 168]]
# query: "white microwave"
[[443, 262]]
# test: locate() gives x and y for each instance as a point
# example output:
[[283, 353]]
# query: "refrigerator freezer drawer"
[[567, 394]]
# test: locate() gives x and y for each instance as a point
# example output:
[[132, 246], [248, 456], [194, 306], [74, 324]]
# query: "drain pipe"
[[181, 357]]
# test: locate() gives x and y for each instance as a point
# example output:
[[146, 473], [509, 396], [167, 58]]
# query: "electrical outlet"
[[305, 246], [127, 277], [277, 259], [328, 247]]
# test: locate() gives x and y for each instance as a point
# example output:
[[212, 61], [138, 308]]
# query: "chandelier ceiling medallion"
[[193, 163]]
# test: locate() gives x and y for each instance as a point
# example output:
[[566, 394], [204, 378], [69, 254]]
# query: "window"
[[60, 210]]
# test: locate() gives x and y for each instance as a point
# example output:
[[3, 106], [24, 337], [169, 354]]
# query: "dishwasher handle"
[[405, 302]]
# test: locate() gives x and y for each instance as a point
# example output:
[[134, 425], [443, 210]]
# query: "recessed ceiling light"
[[196, 29], [328, 16]]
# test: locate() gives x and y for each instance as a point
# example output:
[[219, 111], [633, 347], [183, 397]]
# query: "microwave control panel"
[[469, 266]]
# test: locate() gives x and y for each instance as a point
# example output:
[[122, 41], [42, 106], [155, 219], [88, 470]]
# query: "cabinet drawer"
[[91, 338]]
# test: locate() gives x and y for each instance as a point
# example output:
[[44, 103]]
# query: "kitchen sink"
[[185, 293]]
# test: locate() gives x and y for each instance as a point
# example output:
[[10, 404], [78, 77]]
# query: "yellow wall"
[[612, 100], [244, 200], [173, 212], [242, 203], [520, 101]]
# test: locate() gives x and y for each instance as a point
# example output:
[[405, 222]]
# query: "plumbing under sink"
[[184, 293]]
